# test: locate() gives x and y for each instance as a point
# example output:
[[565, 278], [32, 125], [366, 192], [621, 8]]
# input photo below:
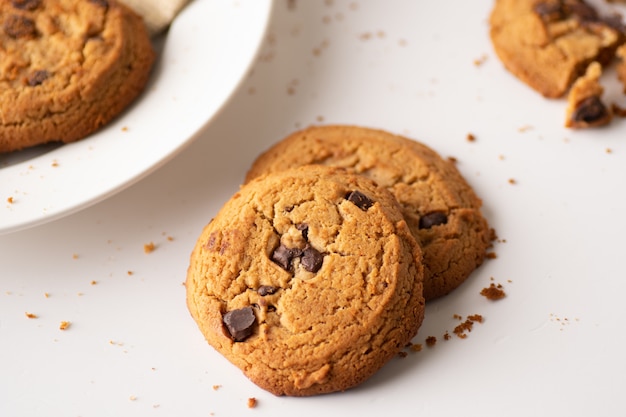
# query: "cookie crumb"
[[481, 60], [402, 354], [252, 402], [46, 294], [93, 282], [512, 181], [31, 315], [132, 398], [471, 137], [417, 347], [149, 247], [129, 273], [431, 341], [446, 336], [493, 292], [216, 387], [608, 150], [10, 200], [64, 325]]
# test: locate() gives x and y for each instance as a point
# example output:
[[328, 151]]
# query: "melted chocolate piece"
[[16, 26], [304, 228], [311, 259], [26, 4], [240, 323], [102, 3], [284, 255], [264, 290], [38, 77], [434, 218], [359, 199], [590, 110]]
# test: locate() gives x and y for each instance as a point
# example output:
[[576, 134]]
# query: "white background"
[[553, 346]]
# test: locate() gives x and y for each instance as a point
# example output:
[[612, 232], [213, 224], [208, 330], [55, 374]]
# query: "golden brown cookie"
[[67, 68], [548, 44], [441, 209], [308, 280], [585, 107]]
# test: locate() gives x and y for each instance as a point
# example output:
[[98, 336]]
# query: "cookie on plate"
[[308, 280], [585, 107], [441, 209], [67, 68], [548, 44]]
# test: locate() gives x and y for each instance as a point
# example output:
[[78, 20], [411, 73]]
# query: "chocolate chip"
[[16, 26], [37, 77], [590, 110], [582, 11], [311, 259], [434, 218], [549, 12], [26, 4], [240, 323], [304, 228], [284, 255], [264, 290], [359, 199], [102, 3]]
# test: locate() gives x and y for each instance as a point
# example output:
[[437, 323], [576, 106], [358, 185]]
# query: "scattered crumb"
[[491, 255], [608, 150], [431, 341], [453, 159], [475, 318], [512, 181], [46, 294], [402, 354], [129, 273], [481, 60], [457, 317], [94, 282], [64, 325], [402, 42], [471, 137], [55, 163], [74, 256], [493, 292], [252, 402], [31, 315], [125, 129], [132, 398], [524, 128], [10, 200], [149, 247], [216, 387], [446, 336], [416, 347]]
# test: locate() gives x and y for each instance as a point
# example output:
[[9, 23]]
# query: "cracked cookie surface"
[[67, 68], [308, 280], [441, 209], [548, 44]]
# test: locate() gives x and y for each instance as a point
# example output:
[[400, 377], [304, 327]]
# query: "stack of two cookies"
[[315, 273]]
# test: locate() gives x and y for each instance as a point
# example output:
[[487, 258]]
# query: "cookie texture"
[[308, 280], [441, 209], [548, 44], [585, 107], [67, 68]]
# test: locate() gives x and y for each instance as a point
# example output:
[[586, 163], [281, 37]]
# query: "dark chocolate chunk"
[[549, 12], [311, 259], [26, 4], [240, 323], [359, 199], [304, 228], [434, 218], [284, 255], [37, 77], [16, 26], [590, 110], [266, 290], [102, 3]]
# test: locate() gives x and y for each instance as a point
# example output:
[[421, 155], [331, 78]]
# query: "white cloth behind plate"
[[157, 14]]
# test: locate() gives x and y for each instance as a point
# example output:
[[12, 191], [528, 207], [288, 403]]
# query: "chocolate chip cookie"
[[441, 209], [548, 44], [308, 280], [67, 68]]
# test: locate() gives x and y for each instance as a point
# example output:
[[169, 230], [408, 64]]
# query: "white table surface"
[[556, 197]]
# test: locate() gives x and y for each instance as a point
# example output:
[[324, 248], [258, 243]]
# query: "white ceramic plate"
[[205, 55]]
